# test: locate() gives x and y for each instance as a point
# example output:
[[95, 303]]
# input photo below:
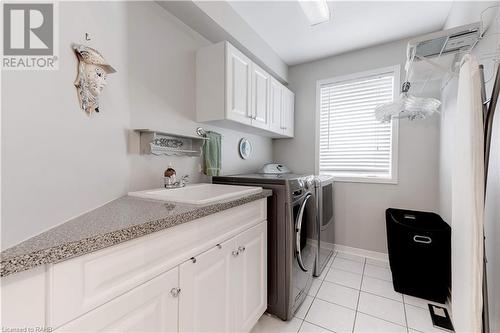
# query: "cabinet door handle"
[[235, 253], [219, 246], [175, 292], [193, 260], [241, 249]]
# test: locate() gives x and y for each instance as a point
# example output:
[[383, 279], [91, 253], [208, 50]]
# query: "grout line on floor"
[[379, 266], [387, 321], [319, 288], [372, 277], [359, 296], [327, 270], [406, 318], [425, 300], [309, 308], [363, 274], [301, 323], [343, 270], [329, 330], [332, 259], [377, 278], [392, 299], [327, 267], [330, 302], [361, 291], [338, 284], [409, 328]]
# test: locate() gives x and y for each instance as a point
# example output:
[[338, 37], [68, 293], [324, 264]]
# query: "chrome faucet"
[[171, 181], [184, 180]]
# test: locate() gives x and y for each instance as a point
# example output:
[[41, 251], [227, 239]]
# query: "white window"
[[353, 145]]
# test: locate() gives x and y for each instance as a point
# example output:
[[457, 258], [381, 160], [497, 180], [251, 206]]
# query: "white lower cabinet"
[[149, 284], [150, 307], [206, 286], [250, 268], [223, 289]]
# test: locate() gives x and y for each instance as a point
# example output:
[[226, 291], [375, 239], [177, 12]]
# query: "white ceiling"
[[354, 25]]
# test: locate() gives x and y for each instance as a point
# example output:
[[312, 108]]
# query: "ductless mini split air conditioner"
[[435, 55], [459, 39]]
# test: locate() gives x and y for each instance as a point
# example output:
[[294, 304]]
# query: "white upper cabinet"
[[288, 113], [231, 90], [281, 109], [276, 106], [260, 97], [238, 82]]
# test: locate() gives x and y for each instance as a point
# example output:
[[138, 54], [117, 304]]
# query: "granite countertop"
[[120, 220]]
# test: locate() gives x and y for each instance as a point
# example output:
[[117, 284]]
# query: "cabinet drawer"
[[79, 285], [150, 307]]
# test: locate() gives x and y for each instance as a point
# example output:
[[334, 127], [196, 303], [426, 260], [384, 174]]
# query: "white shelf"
[[163, 143]]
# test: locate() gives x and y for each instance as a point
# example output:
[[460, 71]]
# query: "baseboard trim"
[[362, 252]]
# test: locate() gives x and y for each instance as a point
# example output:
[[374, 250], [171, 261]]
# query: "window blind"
[[352, 142]]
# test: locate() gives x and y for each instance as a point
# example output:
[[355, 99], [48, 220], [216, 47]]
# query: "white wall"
[[57, 162], [222, 13], [360, 207], [218, 21], [465, 13], [162, 96]]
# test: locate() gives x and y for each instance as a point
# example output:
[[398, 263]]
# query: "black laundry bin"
[[419, 253]]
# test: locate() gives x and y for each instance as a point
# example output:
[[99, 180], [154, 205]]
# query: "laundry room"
[[250, 166]]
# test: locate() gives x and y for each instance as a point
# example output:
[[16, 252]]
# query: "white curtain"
[[467, 201]]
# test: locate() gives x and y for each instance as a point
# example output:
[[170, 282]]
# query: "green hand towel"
[[212, 154]]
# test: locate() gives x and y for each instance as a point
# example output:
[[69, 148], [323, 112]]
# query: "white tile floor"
[[354, 294]]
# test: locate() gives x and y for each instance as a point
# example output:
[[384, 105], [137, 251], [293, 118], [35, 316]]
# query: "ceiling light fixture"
[[316, 11]]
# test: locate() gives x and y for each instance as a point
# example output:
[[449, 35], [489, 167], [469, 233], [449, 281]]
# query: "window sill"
[[367, 180]]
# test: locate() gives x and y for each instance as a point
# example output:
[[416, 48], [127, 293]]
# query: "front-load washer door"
[[304, 249]]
